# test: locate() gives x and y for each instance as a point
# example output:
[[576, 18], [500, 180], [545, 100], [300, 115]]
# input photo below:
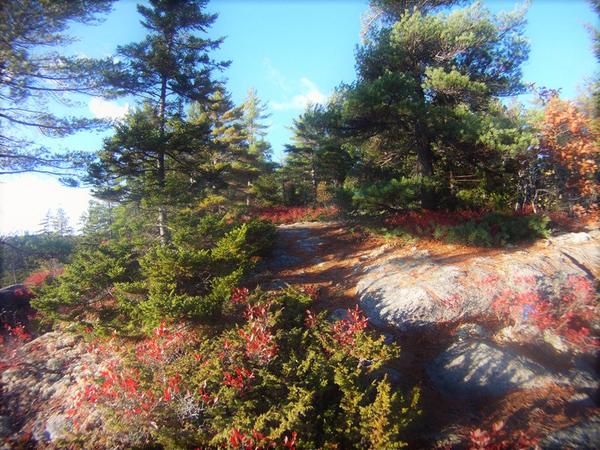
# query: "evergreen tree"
[[260, 150], [32, 77], [46, 223], [302, 154], [97, 220], [237, 147], [427, 82], [254, 117], [317, 153], [227, 148], [60, 223], [171, 67]]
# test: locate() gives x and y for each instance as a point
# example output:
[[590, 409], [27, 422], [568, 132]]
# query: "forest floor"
[[329, 256]]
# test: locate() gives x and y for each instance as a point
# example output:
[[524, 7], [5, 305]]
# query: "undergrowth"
[[278, 376], [472, 228]]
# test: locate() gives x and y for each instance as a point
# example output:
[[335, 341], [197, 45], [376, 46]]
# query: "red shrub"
[[239, 379], [260, 343], [498, 439], [423, 223], [258, 441], [287, 214], [311, 320], [239, 295], [345, 330], [11, 344], [567, 315], [38, 278]]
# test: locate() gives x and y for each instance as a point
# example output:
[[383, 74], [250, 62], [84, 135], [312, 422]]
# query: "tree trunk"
[[313, 177], [424, 157], [423, 144], [425, 166], [248, 193], [160, 165]]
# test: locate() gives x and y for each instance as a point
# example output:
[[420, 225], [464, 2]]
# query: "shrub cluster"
[[568, 310], [471, 227], [278, 375], [496, 229], [394, 194], [126, 285], [499, 439], [291, 214]]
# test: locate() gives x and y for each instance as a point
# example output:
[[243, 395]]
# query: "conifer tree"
[[317, 153], [46, 223], [170, 68], [254, 116], [33, 76], [427, 79], [60, 223], [259, 148]]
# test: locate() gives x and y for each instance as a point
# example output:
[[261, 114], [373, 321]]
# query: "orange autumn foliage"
[[570, 141]]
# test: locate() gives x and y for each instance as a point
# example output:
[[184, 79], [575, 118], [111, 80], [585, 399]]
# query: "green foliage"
[[191, 278], [35, 76], [260, 237], [21, 255], [267, 190], [154, 151], [394, 194], [383, 420], [328, 391], [480, 198], [316, 156], [87, 282], [496, 229], [425, 103]]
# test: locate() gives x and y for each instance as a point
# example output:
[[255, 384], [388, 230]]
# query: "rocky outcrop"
[[583, 436], [416, 289], [475, 369], [40, 385]]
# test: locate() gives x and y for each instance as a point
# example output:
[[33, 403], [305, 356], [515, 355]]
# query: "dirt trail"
[[321, 254]]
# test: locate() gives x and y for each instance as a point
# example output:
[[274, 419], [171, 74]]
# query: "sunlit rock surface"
[[415, 289]]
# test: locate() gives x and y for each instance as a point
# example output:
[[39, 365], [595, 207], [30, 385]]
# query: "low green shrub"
[[495, 229], [468, 227], [275, 375], [189, 278], [480, 198], [394, 194], [87, 281]]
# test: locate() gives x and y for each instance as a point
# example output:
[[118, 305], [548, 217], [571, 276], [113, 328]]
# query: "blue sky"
[[292, 52]]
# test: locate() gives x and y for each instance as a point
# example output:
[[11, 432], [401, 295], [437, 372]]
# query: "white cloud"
[[105, 109], [276, 76], [25, 199], [311, 96]]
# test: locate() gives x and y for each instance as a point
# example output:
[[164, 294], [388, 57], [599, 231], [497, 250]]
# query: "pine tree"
[[46, 223], [254, 117], [426, 81], [303, 153], [237, 147], [32, 76], [171, 67], [317, 154], [60, 223]]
